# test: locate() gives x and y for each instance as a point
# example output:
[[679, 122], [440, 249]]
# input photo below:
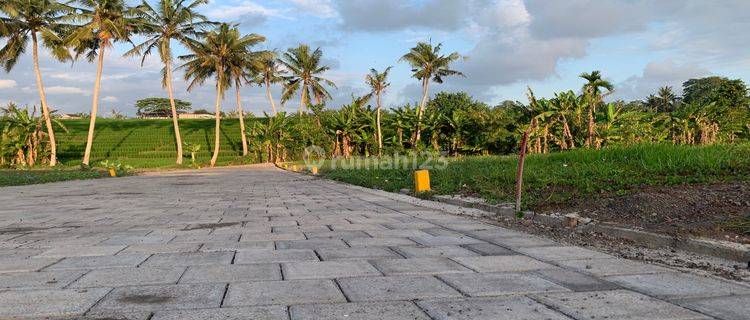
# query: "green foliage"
[[719, 90], [118, 166], [23, 140], [25, 177], [160, 107]]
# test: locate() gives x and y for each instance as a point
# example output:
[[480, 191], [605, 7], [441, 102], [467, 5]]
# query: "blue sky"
[[639, 45]]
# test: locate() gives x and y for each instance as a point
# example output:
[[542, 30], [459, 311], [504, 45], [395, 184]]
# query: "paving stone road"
[[259, 243]]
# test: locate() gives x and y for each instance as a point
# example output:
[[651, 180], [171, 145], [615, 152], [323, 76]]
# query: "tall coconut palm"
[[242, 70], [592, 89], [35, 19], [103, 22], [378, 83], [169, 20], [667, 99], [268, 73], [429, 65], [216, 57], [306, 69]]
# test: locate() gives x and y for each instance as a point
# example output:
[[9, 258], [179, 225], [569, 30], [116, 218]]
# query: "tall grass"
[[560, 177]]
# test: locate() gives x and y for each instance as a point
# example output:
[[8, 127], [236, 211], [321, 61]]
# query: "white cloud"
[[658, 74], [318, 8], [110, 99], [66, 90], [7, 84], [245, 10]]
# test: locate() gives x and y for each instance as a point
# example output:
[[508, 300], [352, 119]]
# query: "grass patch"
[[560, 177], [10, 177], [149, 143]]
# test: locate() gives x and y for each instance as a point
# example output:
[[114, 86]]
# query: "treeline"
[[712, 110]]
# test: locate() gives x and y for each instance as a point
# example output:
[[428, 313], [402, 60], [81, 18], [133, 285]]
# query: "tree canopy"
[[160, 106], [722, 91]]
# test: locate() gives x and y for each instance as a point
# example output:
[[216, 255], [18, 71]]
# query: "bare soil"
[[704, 210]]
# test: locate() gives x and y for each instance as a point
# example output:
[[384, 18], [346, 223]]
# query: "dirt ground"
[[707, 210], [682, 260]]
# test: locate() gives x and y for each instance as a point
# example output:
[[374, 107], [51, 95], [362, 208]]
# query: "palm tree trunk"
[[175, 121], [302, 99], [94, 105], [217, 115], [380, 132], [270, 98], [425, 94], [242, 119], [45, 109]]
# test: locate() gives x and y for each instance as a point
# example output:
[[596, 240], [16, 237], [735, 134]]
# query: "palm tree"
[[667, 99], [377, 81], [35, 18], [104, 22], [218, 56], [242, 69], [170, 20], [592, 90], [268, 72], [429, 65], [305, 68]]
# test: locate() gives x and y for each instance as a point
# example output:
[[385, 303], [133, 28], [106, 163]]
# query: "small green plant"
[[192, 148], [116, 168]]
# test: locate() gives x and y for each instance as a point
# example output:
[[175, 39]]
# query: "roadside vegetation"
[[10, 177]]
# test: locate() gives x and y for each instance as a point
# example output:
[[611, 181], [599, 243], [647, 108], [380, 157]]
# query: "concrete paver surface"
[[259, 243]]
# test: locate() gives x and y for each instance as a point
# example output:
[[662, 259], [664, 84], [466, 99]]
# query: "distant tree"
[[160, 107], [305, 68], [664, 101], [592, 90], [378, 83], [202, 111], [429, 65], [719, 90]]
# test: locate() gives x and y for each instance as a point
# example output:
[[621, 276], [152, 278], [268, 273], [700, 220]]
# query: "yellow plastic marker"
[[314, 170], [421, 181], [294, 168]]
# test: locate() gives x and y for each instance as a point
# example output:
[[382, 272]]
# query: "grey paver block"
[[575, 281], [80, 251], [274, 256], [328, 269], [232, 273], [48, 303], [496, 308], [612, 267], [282, 293], [95, 262], [38, 280], [118, 277], [434, 252], [244, 313], [679, 285], [19, 265], [188, 259], [522, 242], [445, 240], [488, 249], [396, 288], [726, 308], [357, 226], [419, 266], [495, 284], [131, 239], [205, 238], [162, 297], [402, 310], [617, 304], [356, 253], [383, 242], [502, 263], [402, 233], [234, 246], [557, 253], [342, 234], [161, 248], [254, 236], [311, 244]]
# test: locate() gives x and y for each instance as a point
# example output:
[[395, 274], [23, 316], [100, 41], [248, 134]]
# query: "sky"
[[638, 45]]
